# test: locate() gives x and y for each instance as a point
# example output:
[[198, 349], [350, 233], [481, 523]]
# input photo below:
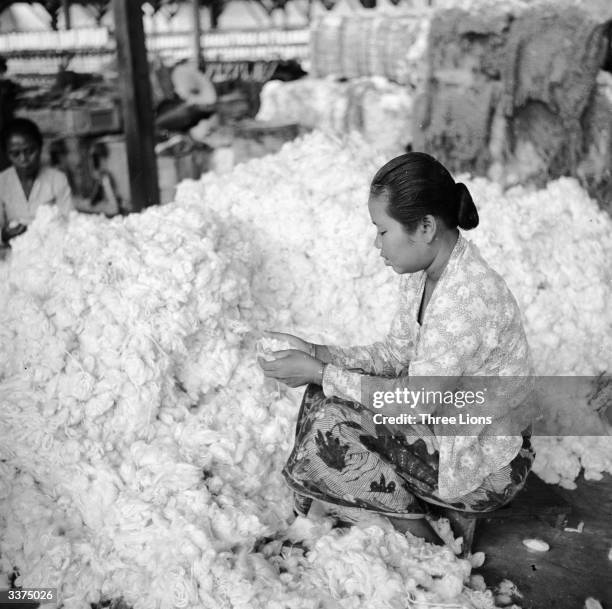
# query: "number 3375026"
[[37, 595]]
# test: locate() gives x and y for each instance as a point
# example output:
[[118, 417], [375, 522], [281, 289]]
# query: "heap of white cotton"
[[304, 210], [551, 247], [334, 289], [145, 449]]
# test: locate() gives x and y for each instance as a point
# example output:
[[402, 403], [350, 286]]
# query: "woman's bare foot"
[[417, 527]]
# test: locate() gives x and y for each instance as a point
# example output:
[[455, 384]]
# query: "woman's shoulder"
[[475, 265], [483, 282], [52, 176], [7, 174], [8, 183], [52, 173]]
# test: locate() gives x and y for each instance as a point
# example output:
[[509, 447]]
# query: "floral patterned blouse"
[[472, 327]]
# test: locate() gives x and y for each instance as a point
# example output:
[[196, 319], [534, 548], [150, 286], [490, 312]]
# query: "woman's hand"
[[295, 342], [293, 368], [12, 231]]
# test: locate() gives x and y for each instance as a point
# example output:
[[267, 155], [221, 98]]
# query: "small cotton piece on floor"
[[536, 545]]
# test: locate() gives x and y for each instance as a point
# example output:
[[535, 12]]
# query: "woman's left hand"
[[292, 367]]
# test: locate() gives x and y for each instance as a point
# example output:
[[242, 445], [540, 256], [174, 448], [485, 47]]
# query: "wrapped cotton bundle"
[[316, 103], [380, 110], [352, 41], [326, 48], [368, 27], [376, 45]]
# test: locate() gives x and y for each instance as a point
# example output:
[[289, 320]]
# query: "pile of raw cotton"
[[551, 246], [141, 450]]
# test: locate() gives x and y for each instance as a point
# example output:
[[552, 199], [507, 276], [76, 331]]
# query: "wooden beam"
[[197, 32], [66, 7], [138, 117]]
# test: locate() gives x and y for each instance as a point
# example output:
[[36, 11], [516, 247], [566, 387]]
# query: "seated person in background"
[[27, 184], [194, 98]]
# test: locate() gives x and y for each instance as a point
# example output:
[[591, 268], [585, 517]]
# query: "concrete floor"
[[576, 566]]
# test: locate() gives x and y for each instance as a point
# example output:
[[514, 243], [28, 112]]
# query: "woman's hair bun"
[[467, 214], [415, 185]]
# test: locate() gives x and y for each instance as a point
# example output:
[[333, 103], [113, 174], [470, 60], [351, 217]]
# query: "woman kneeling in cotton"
[[456, 321]]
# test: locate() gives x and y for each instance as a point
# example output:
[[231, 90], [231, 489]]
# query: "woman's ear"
[[429, 228]]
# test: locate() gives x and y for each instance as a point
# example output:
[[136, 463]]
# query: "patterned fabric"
[[50, 188], [340, 457], [472, 327]]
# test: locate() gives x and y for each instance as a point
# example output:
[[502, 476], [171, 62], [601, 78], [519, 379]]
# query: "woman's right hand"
[[295, 342], [12, 231]]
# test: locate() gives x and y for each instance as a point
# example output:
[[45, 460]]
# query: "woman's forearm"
[[321, 352], [373, 359]]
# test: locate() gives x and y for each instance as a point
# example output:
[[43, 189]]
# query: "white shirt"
[[50, 188]]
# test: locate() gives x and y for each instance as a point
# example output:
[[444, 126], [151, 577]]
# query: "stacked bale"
[[374, 46], [466, 56], [512, 92], [595, 168], [325, 52], [380, 110], [351, 41], [371, 43]]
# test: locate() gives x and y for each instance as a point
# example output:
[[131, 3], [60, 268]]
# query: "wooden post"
[[53, 7], [197, 32], [66, 7], [138, 118]]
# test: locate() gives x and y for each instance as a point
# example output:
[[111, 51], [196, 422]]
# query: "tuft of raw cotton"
[[536, 545], [267, 346], [477, 559]]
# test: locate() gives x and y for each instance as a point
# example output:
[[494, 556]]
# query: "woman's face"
[[403, 252], [24, 154]]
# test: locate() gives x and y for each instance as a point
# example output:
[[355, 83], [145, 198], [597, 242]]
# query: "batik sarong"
[[342, 457]]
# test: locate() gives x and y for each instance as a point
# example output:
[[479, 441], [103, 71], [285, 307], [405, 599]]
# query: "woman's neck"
[[28, 176], [27, 181], [448, 239]]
